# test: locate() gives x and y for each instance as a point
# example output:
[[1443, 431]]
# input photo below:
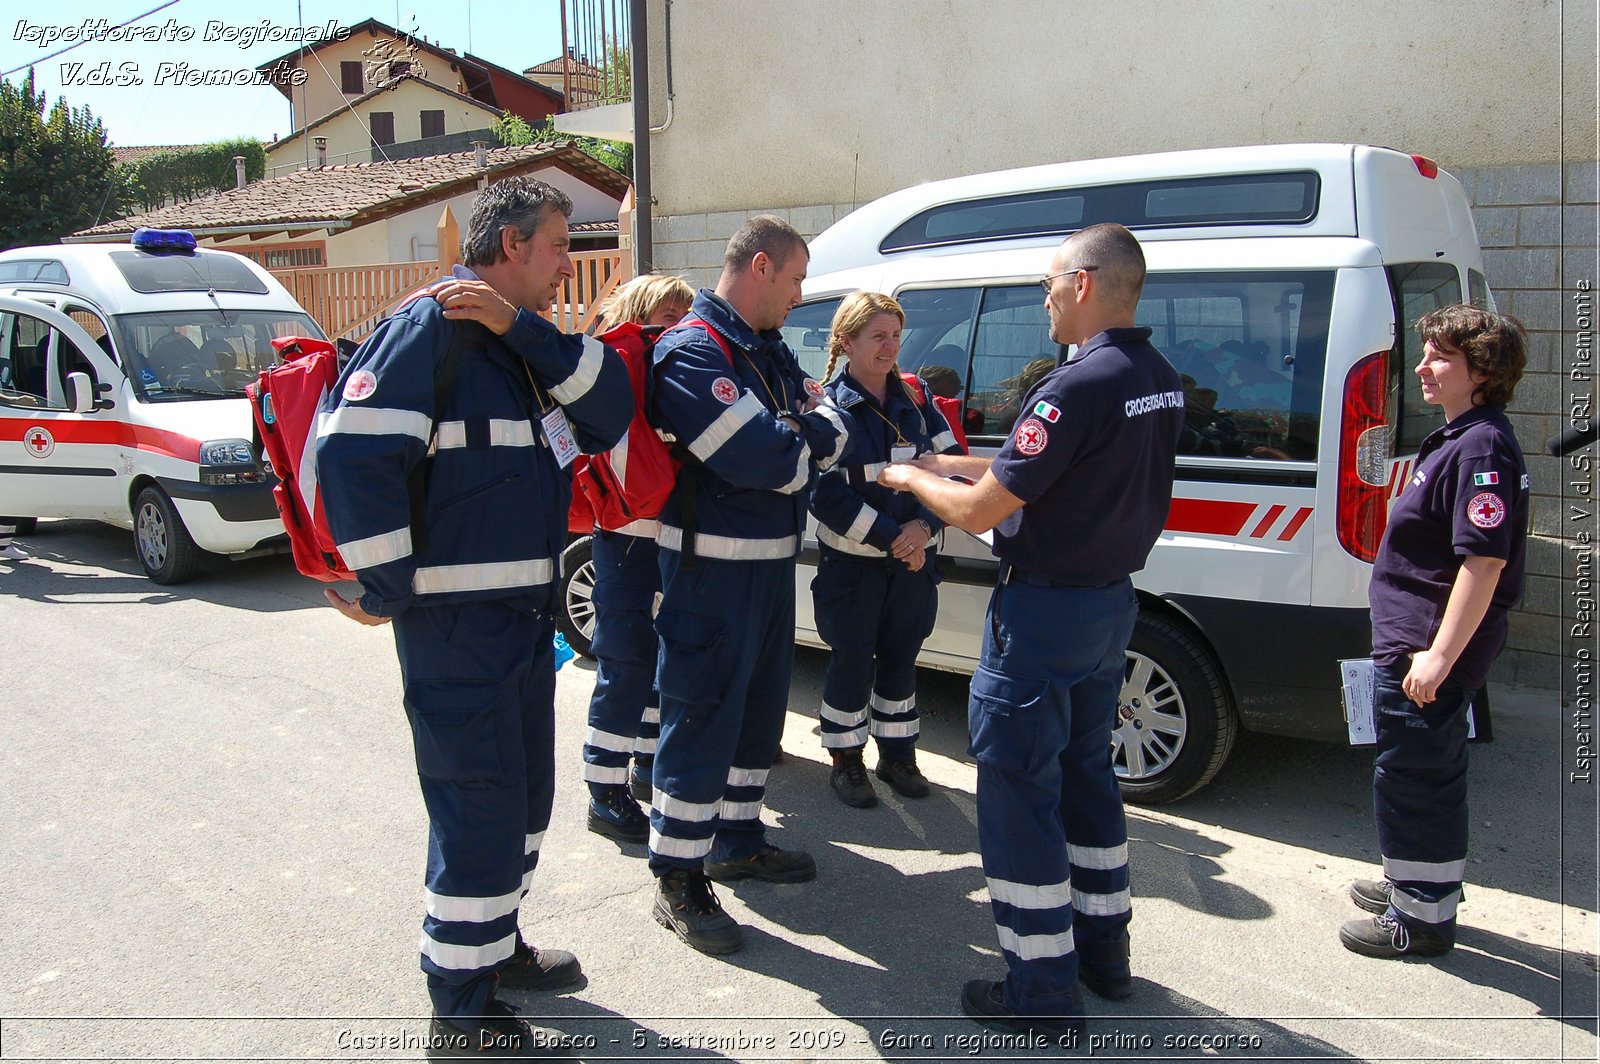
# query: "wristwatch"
[[927, 528]]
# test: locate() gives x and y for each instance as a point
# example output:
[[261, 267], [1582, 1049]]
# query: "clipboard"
[[1355, 685]]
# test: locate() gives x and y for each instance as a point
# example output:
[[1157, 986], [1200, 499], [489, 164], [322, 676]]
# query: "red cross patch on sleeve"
[[1486, 510]]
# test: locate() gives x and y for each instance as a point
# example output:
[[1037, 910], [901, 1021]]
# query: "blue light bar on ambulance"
[[157, 240]]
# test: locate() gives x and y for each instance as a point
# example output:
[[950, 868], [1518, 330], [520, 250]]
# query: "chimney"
[[322, 150], [480, 150], [238, 171]]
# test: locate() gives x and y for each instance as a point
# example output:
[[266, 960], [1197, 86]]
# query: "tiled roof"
[[360, 193], [554, 66], [592, 228]]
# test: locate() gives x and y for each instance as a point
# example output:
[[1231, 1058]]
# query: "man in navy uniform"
[[470, 581], [748, 423], [1077, 497]]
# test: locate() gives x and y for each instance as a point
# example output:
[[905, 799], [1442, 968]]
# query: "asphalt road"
[[213, 847]]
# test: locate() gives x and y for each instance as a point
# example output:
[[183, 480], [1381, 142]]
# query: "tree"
[[185, 174], [513, 130], [56, 173]]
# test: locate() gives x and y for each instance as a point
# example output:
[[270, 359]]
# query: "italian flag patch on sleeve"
[[1483, 480]]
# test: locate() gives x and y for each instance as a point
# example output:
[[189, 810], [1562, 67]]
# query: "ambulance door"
[[55, 460]]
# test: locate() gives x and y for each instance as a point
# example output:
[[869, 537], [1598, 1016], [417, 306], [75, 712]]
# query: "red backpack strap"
[[919, 394], [722, 342]]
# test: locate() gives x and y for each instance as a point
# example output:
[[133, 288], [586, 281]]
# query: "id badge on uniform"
[[902, 454], [558, 434]]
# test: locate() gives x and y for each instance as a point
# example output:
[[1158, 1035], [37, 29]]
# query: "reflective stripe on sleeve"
[[802, 472], [466, 958], [1030, 895], [866, 517], [577, 385], [721, 430], [374, 421], [1033, 947], [945, 442], [484, 576], [829, 411], [848, 546], [729, 548], [376, 550]]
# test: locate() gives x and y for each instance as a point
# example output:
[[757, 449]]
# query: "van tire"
[[166, 550], [576, 617], [1170, 672]]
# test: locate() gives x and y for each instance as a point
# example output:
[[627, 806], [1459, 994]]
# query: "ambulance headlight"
[[228, 462]]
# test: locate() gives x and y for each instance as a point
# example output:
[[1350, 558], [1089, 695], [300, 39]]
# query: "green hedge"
[[184, 175]]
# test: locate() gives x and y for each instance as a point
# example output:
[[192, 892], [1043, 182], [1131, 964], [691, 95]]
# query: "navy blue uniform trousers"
[[1419, 796], [874, 614], [479, 682], [623, 714], [727, 652], [1050, 823]]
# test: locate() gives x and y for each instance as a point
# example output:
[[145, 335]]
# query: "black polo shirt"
[[1469, 496], [1091, 456]]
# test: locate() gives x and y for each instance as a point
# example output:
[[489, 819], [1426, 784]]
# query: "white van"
[[1283, 284], [122, 373]]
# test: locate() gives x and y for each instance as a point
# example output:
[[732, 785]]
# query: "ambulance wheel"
[[1175, 720], [577, 596], [27, 525], [165, 548]]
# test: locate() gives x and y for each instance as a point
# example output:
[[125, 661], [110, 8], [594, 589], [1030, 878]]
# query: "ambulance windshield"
[[181, 354]]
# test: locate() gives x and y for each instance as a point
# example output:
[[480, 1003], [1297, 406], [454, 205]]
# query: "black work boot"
[[904, 776], [1103, 968], [1371, 895], [984, 1001], [686, 905], [639, 780], [617, 816], [768, 863], [1386, 937], [539, 969], [849, 780], [499, 1035]]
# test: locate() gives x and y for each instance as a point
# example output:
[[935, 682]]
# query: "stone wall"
[[1537, 228]]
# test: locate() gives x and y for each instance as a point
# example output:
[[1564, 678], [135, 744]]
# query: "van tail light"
[[1366, 441], [1426, 166]]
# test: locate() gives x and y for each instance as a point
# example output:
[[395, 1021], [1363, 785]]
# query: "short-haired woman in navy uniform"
[[1448, 571], [876, 586]]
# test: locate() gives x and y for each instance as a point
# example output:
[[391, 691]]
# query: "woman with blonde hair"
[[624, 718], [875, 590]]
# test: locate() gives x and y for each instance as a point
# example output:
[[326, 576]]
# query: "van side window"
[[1012, 351], [1417, 288], [24, 375], [1249, 348], [1478, 289], [806, 332]]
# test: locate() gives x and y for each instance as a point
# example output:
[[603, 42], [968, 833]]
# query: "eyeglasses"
[[1049, 282]]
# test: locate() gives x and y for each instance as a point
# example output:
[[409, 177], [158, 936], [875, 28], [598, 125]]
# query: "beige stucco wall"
[[349, 140], [322, 94], [839, 101]]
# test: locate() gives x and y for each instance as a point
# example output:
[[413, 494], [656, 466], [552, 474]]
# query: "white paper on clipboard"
[[1356, 679]]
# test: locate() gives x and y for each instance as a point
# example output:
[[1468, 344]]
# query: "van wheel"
[[165, 548], [1175, 720], [577, 596]]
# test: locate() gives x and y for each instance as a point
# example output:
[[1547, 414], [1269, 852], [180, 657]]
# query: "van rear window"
[[199, 272], [1288, 198]]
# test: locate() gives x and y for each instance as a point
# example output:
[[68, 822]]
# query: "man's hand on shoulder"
[[475, 301], [351, 609]]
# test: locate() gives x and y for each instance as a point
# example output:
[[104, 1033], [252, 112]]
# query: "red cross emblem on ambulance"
[[1486, 510], [38, 442]]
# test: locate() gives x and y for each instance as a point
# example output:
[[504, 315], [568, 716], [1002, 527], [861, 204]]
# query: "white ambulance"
[[1283, 284], [122, 373]]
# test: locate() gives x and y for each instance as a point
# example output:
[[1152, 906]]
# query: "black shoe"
[[983, 1000], [1386, 937], [617, 816], [539, 969], [904, 776], [686, 905], [769, 863], [777, 758], [1371, 895], [1103, 968], [639, 782], [849, 780], [499, 1035]]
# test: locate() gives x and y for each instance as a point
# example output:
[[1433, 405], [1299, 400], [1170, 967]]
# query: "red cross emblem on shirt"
[[1486, 510], [38, 442]]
